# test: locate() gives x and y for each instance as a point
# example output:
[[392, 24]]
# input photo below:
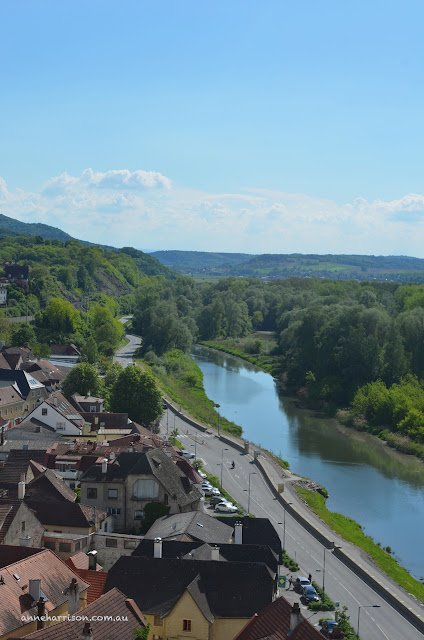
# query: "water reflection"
[[378, 487]]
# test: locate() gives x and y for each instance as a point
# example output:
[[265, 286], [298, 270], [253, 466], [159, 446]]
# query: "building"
[[16, 272], [35, 582], [206, 600], [3, 295], [45, 372], [127, 484], [113, 604], [194, 526], [64, 353], [87, 403], [19, 525], [279, 620], [58, 414], [20, 393]]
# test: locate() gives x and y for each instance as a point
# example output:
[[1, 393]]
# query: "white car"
[[226, 507], [201, 473], [187, 454]]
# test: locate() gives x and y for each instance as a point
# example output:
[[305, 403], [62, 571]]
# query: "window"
[[5, 412], [91, 493], [165, 499], [138, 514], [60, 426], [72, 485], [16, 409], [49, 544], [131, 544], [158, 621], [0, 413], [92, 409], [112, 494], [186, 625], [44, 411], [146, 489], [38, 392], [155, 637], [61, 466], [111, 542], [32, 394], [27, 407], [77, 546], [65, 547], [23, 526], [112, 511]]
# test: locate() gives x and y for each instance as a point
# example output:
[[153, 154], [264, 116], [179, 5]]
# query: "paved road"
[[342, 584], [124, 354]]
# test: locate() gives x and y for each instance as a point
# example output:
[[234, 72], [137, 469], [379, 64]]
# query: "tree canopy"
[[135, 392], [83, 379]]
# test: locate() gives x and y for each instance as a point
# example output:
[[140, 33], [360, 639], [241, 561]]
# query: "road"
[[341, 583], [124, 354]]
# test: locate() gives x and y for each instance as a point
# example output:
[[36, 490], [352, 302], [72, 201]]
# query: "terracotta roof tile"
[[80, 561], [96, 580]]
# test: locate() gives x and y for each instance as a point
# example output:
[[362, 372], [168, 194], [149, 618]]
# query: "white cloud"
[[144, 209]]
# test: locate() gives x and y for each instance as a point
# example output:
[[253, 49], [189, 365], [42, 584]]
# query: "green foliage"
[[135, 392], [343, 621], [22, 332], [83, 379], [153, 511], [89, 350], [142, 634], [288, 562], [60, 317], [325, 603], [77, 490], [352, 531]]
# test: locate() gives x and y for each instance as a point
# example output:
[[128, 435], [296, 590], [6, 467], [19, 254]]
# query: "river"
[[367, 481]]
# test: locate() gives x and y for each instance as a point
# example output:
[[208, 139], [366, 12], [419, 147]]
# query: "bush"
[[153, 511], [326, 603], [289, 562]]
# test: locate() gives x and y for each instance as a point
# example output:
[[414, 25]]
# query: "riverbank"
[[352, 532], [181, 380]]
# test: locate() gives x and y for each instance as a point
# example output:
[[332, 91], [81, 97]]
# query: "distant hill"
[[270, 266], [32, 228]]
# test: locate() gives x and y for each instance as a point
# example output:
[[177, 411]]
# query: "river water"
[[367, 481]]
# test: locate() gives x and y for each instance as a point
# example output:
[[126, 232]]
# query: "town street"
[[341, 583]]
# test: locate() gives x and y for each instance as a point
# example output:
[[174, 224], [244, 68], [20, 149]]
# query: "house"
[[64, 353], [208, 551], [16, 272], [12, 354], [202, 599], [56, 412], [3, 295], [18, 524], [194, 526], [35, 582], [279, 620], [254, 531], [27, 435], [45, 372], [127, 484], [18, 469], [112, 605], [31, 393], [87, 403], [48, 486], [68, 517], [12, 405]]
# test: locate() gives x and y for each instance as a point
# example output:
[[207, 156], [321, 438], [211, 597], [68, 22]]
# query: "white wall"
[[52, 418]]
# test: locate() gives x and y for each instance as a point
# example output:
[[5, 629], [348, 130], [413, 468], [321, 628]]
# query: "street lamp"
[[284, 525], [195, 448], [222, 461], [252, 473], [365, 606], [323, 569]]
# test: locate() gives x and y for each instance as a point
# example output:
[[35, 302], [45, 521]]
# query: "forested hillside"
[[331, 338], [270, 266]]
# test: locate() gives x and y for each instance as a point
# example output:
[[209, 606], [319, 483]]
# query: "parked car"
[[201, 473], [301, 582], [327, 627], [164, 405], [187, 454], [226, 507], [217, 499], [310, 594], [211, 491], [206, 484]]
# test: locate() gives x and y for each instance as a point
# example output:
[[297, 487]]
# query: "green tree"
[[135, 392], [90, 351], [142, 634], [41, 350], [21, 333], [83, 378], [61, 317]]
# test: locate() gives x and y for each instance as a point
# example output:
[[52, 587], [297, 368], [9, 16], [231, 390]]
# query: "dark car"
[[327, 627], [310, 594], [164, 404]]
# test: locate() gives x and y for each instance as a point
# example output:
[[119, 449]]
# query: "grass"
[[181, 379], [123, 342], [240, 347], [352, 532]]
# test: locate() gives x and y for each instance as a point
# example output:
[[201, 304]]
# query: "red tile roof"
[[273, 623], [114, 603], [80, 561], [96, 580]]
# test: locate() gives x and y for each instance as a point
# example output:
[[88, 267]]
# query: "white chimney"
[[104, 466], [92, 560], [157, 548], [295, 616], [21, 490], [34, 588], [215, 553], [26, 541], [238, 533], [131, 448], [112, 455]]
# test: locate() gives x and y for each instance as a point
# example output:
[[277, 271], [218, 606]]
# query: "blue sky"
[[257, 126]]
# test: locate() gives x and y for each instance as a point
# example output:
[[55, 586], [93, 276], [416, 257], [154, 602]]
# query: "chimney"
[[21, 490], [157, 548], [92, 560], [131, 447], [34, 589], [96, 419], [104, 466], [55, 402], [238, 533], [295, 616], [41, 612], [73, 592], [112, 455], [87, 632], [215, 553], [26, 541]]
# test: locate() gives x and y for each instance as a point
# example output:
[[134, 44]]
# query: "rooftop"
[[193, 525]]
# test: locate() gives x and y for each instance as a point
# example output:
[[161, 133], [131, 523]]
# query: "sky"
[[265, 126]]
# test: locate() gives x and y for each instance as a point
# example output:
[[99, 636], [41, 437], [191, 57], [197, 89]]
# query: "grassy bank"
[[352, 532], [256, 348], [180, 379]]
